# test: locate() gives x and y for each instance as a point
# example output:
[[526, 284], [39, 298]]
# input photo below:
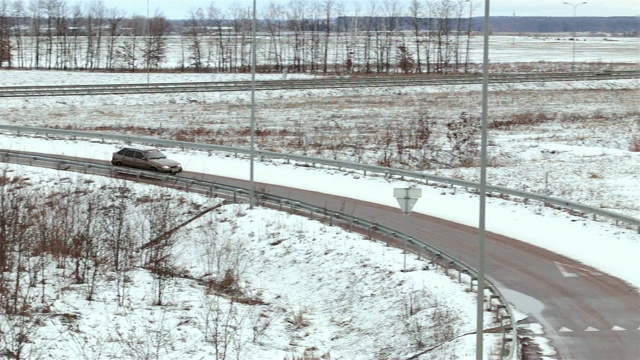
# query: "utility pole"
[[575, 6]]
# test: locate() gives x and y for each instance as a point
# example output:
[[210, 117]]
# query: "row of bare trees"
[[50, 34], [430, 36]]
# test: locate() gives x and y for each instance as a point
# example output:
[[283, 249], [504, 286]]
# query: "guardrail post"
[[435, 258], [463, 271], [450, 265], [491, 298]]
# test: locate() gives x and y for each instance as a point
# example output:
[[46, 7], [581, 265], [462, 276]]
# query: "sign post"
[[407, 198]]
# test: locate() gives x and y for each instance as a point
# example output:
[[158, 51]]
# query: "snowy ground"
[[581, 151], [308, 290]]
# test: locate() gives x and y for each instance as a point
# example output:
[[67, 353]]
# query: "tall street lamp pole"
[[148, 43], [253, 106], [573, 62], [483, 187]]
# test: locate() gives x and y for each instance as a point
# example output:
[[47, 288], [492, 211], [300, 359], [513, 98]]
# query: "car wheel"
[[118, 163]]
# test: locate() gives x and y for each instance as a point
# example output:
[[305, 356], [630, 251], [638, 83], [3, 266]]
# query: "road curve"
[[587, 315]]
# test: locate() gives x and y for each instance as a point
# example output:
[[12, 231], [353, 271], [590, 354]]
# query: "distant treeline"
[[618, 25]]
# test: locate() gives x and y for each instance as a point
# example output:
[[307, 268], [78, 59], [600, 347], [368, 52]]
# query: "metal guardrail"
[[327, 82], [496, 300], [418, 176]]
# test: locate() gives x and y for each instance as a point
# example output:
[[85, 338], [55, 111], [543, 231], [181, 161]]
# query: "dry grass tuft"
[[634, 143]]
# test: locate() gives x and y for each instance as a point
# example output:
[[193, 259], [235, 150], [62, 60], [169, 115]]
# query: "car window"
[[155, 154], [139, 155], [129, 153]]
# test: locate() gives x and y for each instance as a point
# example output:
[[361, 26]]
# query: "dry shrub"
[[522, 119], [634, 143], [229, 280], [299, 319]]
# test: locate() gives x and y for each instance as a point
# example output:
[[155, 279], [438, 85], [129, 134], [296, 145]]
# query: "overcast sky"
[[177, 9]]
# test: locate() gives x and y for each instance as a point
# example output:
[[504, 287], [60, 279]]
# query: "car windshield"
[[155, 154]]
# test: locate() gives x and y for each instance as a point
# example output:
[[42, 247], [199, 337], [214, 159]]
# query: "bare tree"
[[459, 9], [296, 23], [224, 42], [195, 33], [35, 9], [161, 221], [129, 52], [472, 6], [5, 34], [423, 132], [391, 12], [154, 51], [416, 9], [406, 63], [241, 19], [114, 32], [94, 29], [461, 134], [328, 8], [18, 12], [369, 29], [274, 27]]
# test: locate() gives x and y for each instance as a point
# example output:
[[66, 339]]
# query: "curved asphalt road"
[[586, 314]]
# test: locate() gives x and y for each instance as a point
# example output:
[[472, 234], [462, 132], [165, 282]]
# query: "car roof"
[[139, 149]]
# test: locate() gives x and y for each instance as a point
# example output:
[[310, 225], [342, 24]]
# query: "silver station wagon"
[[147, 159]]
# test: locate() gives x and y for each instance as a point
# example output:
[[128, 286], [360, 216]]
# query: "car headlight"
[[165, 166]]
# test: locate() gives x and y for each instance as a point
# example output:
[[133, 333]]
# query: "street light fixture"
[[573, 62]]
